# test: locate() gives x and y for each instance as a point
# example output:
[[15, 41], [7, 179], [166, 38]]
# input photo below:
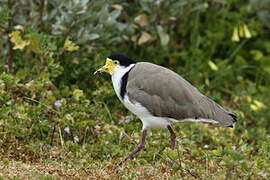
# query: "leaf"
[[257, 55], [70, 46], [115, 14], [141, 20], [84, 2], [34, 43], [81, 12], [145, 37], [264, 16], [15, 38], [164, 37], [117, 6], [265, 63], [77, 94], [18, 27], [93, 36]]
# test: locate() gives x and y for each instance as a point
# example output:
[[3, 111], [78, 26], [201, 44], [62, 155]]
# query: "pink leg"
[[139, 147], [173, 137]]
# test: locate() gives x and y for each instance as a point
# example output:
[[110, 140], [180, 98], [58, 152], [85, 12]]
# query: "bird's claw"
[[118, 165]]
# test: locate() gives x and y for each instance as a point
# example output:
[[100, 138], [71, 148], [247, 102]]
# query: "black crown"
[[123, 59]]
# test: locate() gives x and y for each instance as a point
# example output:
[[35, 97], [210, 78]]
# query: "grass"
[[22, 170], [203, 152]]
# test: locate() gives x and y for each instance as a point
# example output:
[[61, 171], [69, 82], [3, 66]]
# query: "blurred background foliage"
[[50, 48]]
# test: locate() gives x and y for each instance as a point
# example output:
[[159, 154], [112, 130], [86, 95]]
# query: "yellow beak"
[[108, 67]]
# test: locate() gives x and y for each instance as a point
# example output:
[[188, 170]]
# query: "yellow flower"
[[241, 32], [253, 107], [235, 36], [207, 82], [257, 105], [247, 33], [213, 66], [70, 46], [16, 39], [249, 99]]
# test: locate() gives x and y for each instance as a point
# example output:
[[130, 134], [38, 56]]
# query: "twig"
[[108, 111], [192, 173], [10, 50], [10, 57], [41, 104], [180, 160], [133, 141], [61, 137], [85, 133], [236, 49], [52, 136], [41, 12]]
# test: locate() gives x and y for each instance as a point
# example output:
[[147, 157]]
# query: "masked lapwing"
[[160, 97]]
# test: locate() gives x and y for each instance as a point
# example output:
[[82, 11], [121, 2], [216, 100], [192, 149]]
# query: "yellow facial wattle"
[[108, 67]]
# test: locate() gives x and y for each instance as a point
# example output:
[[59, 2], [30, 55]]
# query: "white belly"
[[150, 121], [147, 119]]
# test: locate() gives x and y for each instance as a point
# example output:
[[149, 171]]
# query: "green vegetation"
[[57, 120]]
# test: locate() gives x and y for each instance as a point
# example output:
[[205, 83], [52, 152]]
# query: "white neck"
[[118, 73]]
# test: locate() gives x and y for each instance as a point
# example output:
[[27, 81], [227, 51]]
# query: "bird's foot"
[[118, 165]]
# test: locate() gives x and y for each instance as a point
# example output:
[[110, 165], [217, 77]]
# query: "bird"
[[159, 97]]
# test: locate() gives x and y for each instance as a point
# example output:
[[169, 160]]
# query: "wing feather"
[[166, 94]]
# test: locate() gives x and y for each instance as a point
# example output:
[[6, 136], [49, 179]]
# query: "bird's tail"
[[234, 119], [221, 115]]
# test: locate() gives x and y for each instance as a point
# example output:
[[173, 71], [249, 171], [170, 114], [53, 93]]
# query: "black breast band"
[[124, 79]]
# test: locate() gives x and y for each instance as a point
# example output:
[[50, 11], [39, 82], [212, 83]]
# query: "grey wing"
[[166, 94]]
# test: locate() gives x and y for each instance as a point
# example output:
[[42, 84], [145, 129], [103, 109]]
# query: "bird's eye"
[[115, 62]]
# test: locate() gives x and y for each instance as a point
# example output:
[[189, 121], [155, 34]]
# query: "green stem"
[[237, 49]]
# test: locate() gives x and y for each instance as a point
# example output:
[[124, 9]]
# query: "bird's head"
[[113, 61]]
